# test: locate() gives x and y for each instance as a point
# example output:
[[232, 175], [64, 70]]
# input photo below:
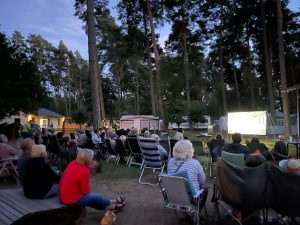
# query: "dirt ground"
[[143, 204]]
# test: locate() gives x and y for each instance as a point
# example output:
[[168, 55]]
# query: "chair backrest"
[[133, 144], [243, 188], [120, 147], [165, 142], [175, 190], [236, 159], [150, 152], [109, 147], [172, 143], [216, 143], [256, 146], [215, 148]]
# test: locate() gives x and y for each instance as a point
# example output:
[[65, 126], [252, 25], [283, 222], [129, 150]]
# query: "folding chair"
[[136, 152], [176, 197], [241, 190], [121, 151], [7, 166], [111, 153], [213, 144], [165, 142], [151, 158], [236, 159]]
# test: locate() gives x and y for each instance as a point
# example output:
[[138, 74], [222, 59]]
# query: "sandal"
[[117, 207], [121, 200]]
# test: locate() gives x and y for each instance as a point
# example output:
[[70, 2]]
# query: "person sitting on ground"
[[6, 151], [74, 186], [236, 146], [182, 160], [163, 153], [290, 165], [39, 180], [25, 145], [280, 147]]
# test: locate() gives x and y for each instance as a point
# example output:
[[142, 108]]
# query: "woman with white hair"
[[178, 136], [39, 180], [182, 160], [6, 151], [74, 187], [163, 152]]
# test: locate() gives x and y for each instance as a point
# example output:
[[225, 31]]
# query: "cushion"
[[190, 187]]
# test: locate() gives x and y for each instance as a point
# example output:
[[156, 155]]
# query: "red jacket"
[[74, 183]]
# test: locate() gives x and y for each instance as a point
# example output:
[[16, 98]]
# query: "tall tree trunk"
[[285, 106], [236, 84], [137, 88], [101, 99], [186, 73], [268, 65], [119, 77], [250, 76], [150, 71], [93, 64], [156, 58], [221, 64]]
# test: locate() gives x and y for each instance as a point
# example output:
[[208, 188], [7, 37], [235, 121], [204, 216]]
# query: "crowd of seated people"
[[32, 165]]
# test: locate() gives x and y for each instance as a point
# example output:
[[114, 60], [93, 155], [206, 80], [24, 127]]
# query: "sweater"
[[38, 178], [74, 183]]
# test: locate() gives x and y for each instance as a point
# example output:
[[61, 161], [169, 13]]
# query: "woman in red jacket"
[[74, 186]]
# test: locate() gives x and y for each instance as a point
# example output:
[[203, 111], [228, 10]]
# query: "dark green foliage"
[[20, 83], [79, 117]]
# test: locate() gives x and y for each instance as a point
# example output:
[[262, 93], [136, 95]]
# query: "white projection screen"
[[254, 122]]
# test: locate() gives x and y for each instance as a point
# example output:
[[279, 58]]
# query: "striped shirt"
[[194, 169]]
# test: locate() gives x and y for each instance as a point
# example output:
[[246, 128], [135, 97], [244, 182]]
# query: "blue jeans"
[[93, 200], [53, 191]]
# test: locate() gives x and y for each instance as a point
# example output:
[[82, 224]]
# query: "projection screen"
[[254, 122]]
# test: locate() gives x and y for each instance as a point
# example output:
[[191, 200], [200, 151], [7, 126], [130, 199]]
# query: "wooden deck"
[[15, 207]]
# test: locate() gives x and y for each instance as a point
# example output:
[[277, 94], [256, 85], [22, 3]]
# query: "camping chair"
[[121, 151], [172, 143], [7, 166], [236, 159], [164, 141], [215, 144], [151, 158], [111, 153], [257, 146], [285, 197], [176, 196], [241, 189], [136, 152]]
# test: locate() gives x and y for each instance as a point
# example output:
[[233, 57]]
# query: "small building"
[[140, 122], [43, 117]]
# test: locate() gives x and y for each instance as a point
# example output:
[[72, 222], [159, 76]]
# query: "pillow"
[[189, 186]]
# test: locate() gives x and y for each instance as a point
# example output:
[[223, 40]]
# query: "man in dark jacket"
[[236, 146]]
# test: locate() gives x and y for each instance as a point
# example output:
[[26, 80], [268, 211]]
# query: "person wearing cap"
[[290, 165]]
